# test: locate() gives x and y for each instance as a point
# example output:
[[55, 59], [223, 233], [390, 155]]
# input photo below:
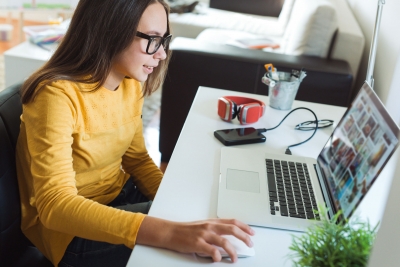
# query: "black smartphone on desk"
[[239, 136]]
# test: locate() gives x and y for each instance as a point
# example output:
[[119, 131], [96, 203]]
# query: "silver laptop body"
[[358, 149]]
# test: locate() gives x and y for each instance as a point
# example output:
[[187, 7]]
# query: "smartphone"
[[239, 136]]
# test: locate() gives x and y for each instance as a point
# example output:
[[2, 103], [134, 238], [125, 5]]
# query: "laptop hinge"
[[331, 209]]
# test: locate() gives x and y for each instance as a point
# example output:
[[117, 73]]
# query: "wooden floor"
[[5, 45]]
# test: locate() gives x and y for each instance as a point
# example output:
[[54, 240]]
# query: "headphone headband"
[[248, 110]]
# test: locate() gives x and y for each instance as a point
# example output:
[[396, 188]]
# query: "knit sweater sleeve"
[[137, 162]]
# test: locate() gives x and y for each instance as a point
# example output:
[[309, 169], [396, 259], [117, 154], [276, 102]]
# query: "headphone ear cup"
[[250, 113], [225, 109]]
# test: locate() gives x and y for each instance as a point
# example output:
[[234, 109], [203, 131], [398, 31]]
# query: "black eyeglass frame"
[[304, 126], [164, 41]]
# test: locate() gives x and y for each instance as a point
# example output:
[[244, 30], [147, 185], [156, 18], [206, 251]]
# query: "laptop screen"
[[357, 150]]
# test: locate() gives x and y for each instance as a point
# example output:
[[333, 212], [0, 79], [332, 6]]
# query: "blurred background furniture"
[[195, 64], [254, 16], [22, 60], [323, 28], [321, 36], [15, 249]]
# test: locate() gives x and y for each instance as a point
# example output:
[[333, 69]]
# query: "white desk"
[[189, 189], [22, 60]]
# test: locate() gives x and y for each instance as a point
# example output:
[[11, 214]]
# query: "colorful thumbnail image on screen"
[[357, 151]]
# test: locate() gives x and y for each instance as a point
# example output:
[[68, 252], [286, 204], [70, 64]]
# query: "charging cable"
[[288, 152]]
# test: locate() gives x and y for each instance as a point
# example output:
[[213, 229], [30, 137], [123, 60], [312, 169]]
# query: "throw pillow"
[[311, 28]]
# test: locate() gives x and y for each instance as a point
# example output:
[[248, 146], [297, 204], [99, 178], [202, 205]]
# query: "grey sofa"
[[324, 28]]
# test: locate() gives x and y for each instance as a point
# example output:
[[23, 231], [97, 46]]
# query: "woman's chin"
[[140, 78]]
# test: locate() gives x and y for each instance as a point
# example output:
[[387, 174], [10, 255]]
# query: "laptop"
[[285, 191]]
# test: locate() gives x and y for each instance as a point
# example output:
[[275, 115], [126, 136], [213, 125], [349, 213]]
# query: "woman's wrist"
[[154, 232]]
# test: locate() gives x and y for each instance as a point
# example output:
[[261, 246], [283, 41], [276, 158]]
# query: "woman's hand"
[[194, 237]]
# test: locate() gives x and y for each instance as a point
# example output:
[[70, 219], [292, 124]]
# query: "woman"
[[84, 173]]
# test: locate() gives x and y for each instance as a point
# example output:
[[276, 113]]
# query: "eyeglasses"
[[154, 42], [310, 125]]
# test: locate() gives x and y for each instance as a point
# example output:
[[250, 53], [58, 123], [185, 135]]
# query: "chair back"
[[15, 248]]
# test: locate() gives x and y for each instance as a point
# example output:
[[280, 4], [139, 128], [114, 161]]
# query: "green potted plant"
[[334, 244]]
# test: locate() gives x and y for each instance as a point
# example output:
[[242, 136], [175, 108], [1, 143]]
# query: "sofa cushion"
[[231, 37], [285, 14], [311, 28], [349, 41], [309, 31], [191, 24]]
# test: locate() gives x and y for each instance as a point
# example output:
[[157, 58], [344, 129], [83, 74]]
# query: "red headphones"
[[248, 110]]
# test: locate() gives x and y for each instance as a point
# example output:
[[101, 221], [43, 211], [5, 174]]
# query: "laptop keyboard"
[[290, 189]]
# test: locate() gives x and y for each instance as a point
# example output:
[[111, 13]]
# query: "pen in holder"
[[283, 87]]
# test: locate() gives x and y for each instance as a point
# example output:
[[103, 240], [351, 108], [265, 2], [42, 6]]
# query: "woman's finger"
[[230, 227], [208, 249], [244, 227], [222, 242]]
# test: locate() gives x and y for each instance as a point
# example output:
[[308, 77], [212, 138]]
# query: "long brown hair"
[[98, 32]]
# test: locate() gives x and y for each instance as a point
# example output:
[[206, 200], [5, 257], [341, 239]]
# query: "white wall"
[[387, 85], [385, 252], [388, 50], [394, 94]]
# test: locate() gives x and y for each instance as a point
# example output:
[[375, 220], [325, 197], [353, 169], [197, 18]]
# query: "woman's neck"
[[113, 81]]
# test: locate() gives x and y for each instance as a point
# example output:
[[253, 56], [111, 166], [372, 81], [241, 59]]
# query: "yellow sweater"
[[69, 155]]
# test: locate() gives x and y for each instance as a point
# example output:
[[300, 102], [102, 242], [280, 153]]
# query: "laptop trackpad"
[[243, 181]]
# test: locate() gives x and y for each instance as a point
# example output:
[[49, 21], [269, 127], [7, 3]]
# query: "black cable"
[[287, 149]]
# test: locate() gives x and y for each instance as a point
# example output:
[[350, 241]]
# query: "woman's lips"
[[148, 69]]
